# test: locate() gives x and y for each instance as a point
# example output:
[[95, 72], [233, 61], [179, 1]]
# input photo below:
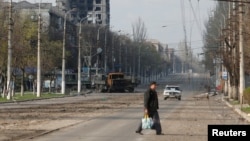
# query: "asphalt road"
[[181, 120]]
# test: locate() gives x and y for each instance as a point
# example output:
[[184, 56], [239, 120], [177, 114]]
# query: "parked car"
[[172, 91]]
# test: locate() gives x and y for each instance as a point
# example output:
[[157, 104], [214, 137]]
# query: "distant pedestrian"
[[151, 106]]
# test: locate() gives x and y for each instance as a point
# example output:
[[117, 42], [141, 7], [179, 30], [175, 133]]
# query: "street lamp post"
[[126, 59], [173, 63], [99, 50], [9, 63], [63, 52], [79, 56], [120, 56], [105, 52], [112, 53], [38, 92], [241, 54], [105, 45], [113, 48], [126, 56], [139, 62]]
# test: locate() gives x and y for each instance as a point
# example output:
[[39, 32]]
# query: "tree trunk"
[[22, 83], [235, 95], [12, 88], [50, 83]]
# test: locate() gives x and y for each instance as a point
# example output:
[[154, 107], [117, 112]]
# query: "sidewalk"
[[237, 109]]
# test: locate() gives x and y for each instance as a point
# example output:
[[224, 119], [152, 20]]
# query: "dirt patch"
[[20, 123]]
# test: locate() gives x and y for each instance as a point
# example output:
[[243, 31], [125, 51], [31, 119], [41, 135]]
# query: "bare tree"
[[139, 31]]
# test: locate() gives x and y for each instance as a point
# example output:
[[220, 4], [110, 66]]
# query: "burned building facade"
[[96, 12]]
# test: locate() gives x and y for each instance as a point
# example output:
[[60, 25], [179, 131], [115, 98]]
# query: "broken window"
[[98, 9], [99, 16], [90, 15], [100, 22], [90, 8], [90, 2], [98, 1]]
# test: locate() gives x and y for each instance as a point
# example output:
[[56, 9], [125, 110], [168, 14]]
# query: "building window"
[[100, 22], [90, 8], [90, 1], [98, 1], [98, 9], [99, 16]]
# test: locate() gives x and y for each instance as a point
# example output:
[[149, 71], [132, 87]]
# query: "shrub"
[[246, 95]]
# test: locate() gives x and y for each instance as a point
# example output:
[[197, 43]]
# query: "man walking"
[[151, 106]]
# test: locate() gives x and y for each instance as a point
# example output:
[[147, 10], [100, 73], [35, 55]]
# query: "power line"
[[196, 19]]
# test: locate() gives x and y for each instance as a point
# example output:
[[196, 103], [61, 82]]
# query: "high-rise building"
[[98, 11]]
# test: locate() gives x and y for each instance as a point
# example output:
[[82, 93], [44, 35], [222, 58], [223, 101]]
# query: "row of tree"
[[222, 41], [125, 50], [122, 51]]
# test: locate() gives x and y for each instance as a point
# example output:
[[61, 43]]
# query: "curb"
[[237, 110], [36, 99]]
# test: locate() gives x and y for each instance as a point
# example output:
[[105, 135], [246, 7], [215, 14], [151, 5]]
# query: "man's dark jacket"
[[151, 100]]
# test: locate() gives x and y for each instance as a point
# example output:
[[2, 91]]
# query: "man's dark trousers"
[[157, 124]]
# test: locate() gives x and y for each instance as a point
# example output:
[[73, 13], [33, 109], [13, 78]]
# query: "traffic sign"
[[224, 75]]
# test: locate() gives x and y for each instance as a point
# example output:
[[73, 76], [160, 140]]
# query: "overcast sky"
[[158, 13]]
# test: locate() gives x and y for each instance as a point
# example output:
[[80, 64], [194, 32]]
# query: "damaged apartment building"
[[97, 11]]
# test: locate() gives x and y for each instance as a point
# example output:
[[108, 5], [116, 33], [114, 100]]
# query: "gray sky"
[[158, 13]]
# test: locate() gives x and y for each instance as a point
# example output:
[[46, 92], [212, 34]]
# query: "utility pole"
[[79, 57], [227, 51], [38, 92], [63, 52], [79, 60], [9, 63], [120, 56], [126, 59], [105, 45], [241, 51], [173, 62], [98, 44], [134, 54], [105, 52], [139, 62], [112, 53], [235, 88]]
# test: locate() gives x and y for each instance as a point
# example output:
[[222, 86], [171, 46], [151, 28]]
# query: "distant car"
[[172, 91]]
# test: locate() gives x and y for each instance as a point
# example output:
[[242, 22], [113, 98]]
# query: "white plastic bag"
[[147, 122]]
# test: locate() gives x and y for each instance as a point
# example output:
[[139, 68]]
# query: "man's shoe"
[[159, 133], [138, 132]]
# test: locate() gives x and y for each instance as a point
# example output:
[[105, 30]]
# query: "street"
[[74, 70], [181, 120]]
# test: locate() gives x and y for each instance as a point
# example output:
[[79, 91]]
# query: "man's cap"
[[153, 83]]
